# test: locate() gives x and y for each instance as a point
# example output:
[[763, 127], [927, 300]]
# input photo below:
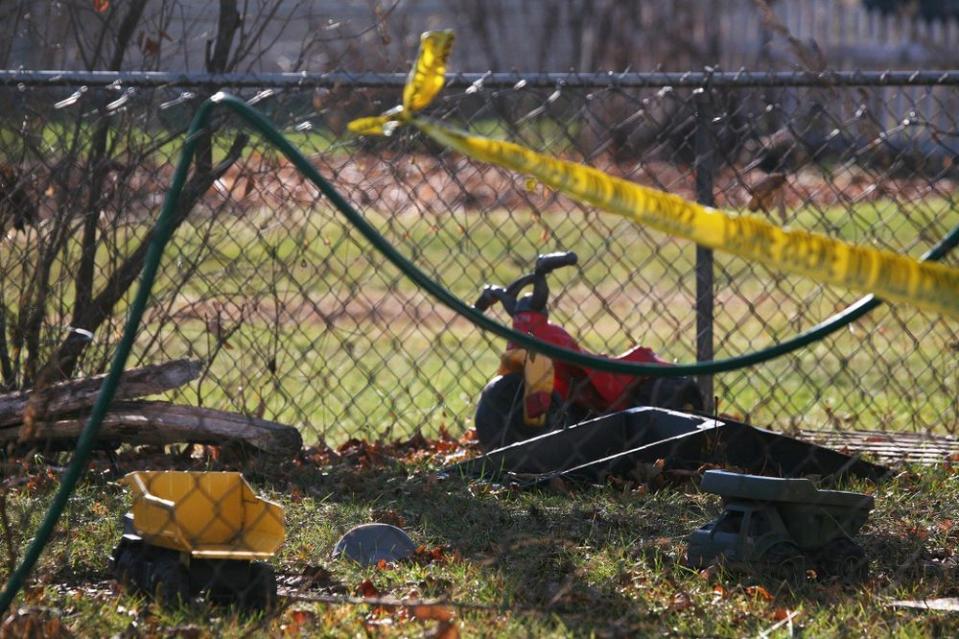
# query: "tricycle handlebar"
[[491, 295], [545, 264], [552, 261]]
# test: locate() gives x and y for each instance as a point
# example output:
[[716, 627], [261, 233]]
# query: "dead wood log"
[[79, 394], [162, 423]]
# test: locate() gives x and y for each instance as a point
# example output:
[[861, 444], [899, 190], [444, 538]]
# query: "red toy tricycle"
[[532, 394]]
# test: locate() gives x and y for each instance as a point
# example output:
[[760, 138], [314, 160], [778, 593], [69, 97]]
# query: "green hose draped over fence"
[[163, 229]]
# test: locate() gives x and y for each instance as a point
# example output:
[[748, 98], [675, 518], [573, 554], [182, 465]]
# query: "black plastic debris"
[[619, 443]]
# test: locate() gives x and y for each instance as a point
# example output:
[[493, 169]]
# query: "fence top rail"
[[742, 78]]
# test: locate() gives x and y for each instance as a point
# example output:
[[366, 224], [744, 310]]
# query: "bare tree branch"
[[90, 318]]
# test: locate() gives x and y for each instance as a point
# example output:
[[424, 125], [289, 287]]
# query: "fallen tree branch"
[[162, 423], [79, 394]]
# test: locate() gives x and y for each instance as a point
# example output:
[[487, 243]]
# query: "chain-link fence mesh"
[[300, 321], [295, 319]]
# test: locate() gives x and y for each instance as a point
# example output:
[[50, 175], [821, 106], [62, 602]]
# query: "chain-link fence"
[[300, 321], [296, 319]]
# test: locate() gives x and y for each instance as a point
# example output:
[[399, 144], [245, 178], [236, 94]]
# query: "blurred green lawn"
[[346, 370], [356, 350]]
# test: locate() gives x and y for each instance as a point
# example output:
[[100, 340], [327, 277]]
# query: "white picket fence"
[[850, 36]]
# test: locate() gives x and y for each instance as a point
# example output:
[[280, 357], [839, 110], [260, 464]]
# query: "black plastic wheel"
[[168, 580], [260, 592], [843, 558], [499, 414], [151, 571], [128, 565], [786, 560]]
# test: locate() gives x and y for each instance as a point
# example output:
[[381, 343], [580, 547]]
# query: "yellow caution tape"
[[429, 72], [425, 80], [375, 125], [891, 276]]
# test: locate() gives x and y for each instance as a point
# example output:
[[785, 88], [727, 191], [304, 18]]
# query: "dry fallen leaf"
[[709, 572], [428, 555], [298, 619], [316, 576], [434, 612], [557, 484], [764, 193], [445, 629], [389, 517], [759, 592], [780, 614], [367, 589], [34, 623], [917, 532], [681, 601]]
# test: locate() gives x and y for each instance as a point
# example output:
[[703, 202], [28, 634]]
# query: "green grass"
[[592, 562], [595, 562], [343, 370], [66, 138], [417, 366]]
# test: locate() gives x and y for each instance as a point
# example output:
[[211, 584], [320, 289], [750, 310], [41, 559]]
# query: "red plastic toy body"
[[532, 393], [602, 391]]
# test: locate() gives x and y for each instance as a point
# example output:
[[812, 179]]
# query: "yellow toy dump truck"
[[192, 533]]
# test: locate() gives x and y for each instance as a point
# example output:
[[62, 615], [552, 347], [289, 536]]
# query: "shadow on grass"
[[534, 549], [596, 557], [596, 560]]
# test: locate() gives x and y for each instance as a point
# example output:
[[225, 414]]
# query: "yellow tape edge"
[[428, 74], [893, 277], [889, 275]]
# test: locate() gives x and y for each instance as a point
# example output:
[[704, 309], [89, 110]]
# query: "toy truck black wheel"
[[843, 558], [128, 565], [151, 571], [260, 591], [785, 560], [249, 585], [169, 580], [499, 414]]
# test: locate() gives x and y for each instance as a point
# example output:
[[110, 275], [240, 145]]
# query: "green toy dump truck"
[[785, 525], [192, 533]]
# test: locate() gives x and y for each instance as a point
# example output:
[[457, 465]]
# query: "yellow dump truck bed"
[[211, 515]]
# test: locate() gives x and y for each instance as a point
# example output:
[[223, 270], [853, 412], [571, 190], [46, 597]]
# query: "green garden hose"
[[163, 229]]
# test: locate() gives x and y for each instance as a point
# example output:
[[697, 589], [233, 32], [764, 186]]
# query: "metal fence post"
[[704, 167]]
